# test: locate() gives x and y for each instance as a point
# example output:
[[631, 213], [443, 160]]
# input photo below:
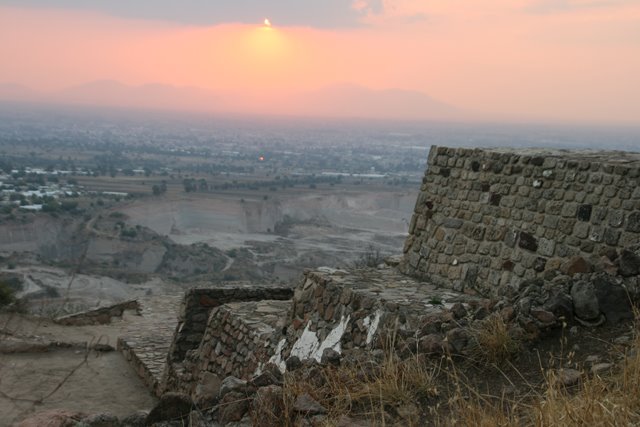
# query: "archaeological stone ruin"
[[539, 239], [486, 220]]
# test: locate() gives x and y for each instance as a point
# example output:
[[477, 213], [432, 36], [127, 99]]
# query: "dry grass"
[[610, 400], [363, 390], [493, 342], [420, 391], [601, 401]]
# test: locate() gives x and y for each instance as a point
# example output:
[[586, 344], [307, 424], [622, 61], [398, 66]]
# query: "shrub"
[[371, 258], [493, 342], [7, 294]]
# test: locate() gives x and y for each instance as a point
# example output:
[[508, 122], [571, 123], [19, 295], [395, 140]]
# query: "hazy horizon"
[[533, 60]]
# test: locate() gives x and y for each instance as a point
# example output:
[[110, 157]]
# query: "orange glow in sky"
[[526, 60]]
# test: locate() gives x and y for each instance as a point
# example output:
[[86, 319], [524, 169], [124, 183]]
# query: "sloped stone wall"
[[486, 220], [98, 316], [198, 303]]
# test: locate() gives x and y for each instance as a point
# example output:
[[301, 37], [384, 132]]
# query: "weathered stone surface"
[[270, 375], [584, 213], [458, 338], [330, 357], [585, 301], [100, 420], [207, 391], [292, 363], [527, 241], [561, 305], [629, 263], [459, 311], [137, 419], [232, 384], [232, 407], [633, 222], [577, 265], [543, 316], [600, 368]]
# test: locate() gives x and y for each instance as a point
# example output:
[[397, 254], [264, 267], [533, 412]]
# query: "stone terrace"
[[357, 305], [146, 344], [240, 337]]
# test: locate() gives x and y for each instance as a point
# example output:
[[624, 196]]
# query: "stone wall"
[[343, 311], [198, 303], [98, 316], [486, 220], [240, 338], [143, 371], [330, 310]]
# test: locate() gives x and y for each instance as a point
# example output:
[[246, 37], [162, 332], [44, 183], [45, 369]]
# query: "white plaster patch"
[[306, 345], [333, 339], [277, 356], [372, 325]]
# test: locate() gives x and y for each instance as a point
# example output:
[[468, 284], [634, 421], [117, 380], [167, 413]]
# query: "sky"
[[559, 60]]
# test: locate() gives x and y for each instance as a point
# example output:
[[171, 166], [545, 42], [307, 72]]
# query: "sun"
[[267, 23]]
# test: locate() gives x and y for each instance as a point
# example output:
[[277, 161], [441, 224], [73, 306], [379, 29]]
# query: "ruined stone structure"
[[486, 220]]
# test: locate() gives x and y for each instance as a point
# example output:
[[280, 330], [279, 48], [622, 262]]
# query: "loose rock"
[[305, 404]]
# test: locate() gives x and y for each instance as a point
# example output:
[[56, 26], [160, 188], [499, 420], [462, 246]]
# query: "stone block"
[[581, 230], [453, 223], [527, 241], [569, 210], [633, 222], [546, 247], [584, 213]]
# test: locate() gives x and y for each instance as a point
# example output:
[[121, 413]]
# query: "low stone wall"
[[98, 316], [240, 338], [338, 310], [331, 309], [150, 375], [486, 220], [198, 303]]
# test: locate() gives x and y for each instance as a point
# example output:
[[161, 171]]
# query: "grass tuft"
[[493, 342]]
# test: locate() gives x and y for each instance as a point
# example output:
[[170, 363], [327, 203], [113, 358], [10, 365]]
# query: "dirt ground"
[[66, 377]]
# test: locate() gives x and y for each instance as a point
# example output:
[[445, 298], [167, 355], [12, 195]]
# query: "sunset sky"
[[573, 60]]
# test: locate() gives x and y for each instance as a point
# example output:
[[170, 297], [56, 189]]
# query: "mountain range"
[[344, 100]]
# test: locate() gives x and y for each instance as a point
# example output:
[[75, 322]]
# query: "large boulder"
[[172, 406], [613, 299], [585, 301], [233, 407], [601, 294], [629, 263]]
